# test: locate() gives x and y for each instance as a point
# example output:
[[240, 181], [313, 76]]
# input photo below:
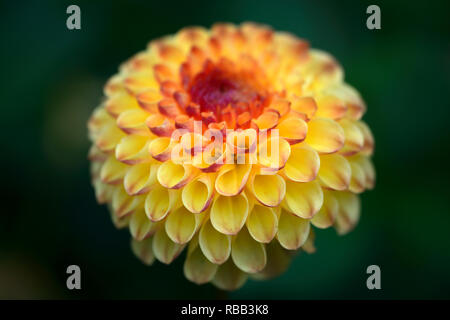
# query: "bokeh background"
[[52, 78]]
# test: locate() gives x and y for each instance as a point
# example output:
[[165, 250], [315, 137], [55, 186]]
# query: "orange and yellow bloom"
[[232, 143]]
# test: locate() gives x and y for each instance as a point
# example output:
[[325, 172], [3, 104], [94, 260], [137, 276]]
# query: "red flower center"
[[228, 92]]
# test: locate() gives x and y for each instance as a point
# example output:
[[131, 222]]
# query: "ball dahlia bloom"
[[232, 143]]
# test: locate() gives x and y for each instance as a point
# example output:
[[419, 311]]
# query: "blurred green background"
[[52, 78]]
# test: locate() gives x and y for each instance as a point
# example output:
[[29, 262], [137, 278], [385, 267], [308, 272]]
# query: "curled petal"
[[197, 268], [215, 245], [175, 176], [140, 82], [293, 130], [168, 107], [358, 179], [268, 189], [165, 250], [198, 194], [262, 224], [108, 138], [273, 153], [160, 201], [248, 254], [349, 210], [335, 171], [292, 231], [308, 246], [354, 138], [164, 73], [228, 214], [160, 148], [278, 260], [369, 171], [140, 178], [306, 105], [119, 103], [133, 149], [267, 120], [159, 125], [229, 277], [280, 105], [112, 171], [182, 224], [325, 135], [148, 100], [122, 203], [327, 214], [232, 179], [303, 164], [143, 250], [329, 106], [303, 199], [369, 142], [141, 227], [133, 122]]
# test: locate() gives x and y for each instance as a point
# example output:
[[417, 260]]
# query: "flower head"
[[231, 142]]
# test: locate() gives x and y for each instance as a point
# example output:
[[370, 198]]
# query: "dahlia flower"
[[233, 143]]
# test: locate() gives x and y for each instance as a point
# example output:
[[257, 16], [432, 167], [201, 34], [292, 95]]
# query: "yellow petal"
[[327, 214], [159, 125], [325, 135], [306, 105], [329, 106], [113, 171], [248, 254], [369, 141], [160, 148], [133, 149], [140, 178], [349, 210], [175, 176], [119, 103], [141, 226], [198, 194], [358, 180], [143, 250], [267, 120], [133, 121], [108, 137], [159, 202], [278, 260], [123, 204], [354, 138], [229, 277], [293, 130], [165, 250], [182, 224], [303, 199], [280, 105], [149, 99], [228, 214], [197, 268], [273, 153], [262, 224], [232, 179], [215, 246], [303, 164], [292, 231], [308, 246], [369, 170], [268, 189], [137, 83], [334, 172]]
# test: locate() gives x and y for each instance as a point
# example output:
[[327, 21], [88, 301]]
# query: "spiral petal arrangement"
[[183, 151]]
